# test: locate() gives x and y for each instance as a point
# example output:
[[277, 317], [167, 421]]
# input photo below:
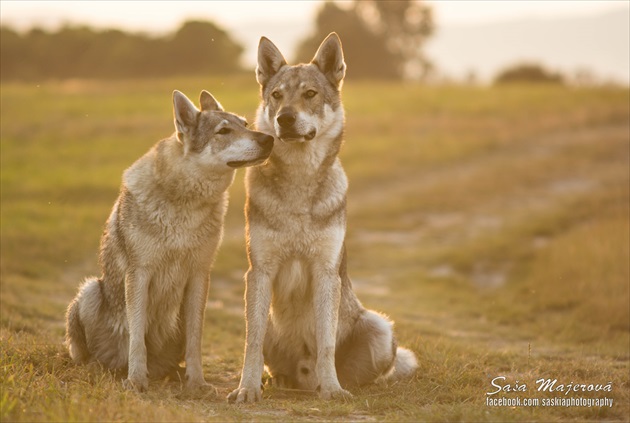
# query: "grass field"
[[490, 223]]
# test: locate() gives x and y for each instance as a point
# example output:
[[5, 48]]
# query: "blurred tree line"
[[381, 39], [77, 52]]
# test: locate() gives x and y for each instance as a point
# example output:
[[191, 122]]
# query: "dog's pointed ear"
[[270, 60], [329, 59], [185, 114], [209, 103]]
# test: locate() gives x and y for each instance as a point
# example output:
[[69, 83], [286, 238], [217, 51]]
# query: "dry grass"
[[490, 223]]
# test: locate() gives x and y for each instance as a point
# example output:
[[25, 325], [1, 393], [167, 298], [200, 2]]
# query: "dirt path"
[[498, 209]]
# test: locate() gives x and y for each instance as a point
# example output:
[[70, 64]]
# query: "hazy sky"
[[163, 16], [285, 22]]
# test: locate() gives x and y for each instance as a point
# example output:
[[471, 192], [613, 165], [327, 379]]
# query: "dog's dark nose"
[[286, 119], [266, 141]]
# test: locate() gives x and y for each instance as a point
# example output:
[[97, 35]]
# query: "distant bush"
[[197, 48], [528, 73]]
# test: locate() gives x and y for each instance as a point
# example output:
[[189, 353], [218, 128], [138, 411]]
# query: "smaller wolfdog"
[[145, 313]]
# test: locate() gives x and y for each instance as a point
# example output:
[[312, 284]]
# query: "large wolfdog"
[[303, 319], [145, 313]]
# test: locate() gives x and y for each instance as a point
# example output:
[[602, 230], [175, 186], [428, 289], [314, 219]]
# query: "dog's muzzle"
[[286, 121], [266, 143]]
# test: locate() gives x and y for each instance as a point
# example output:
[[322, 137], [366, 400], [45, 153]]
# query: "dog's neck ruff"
[[163, 174]]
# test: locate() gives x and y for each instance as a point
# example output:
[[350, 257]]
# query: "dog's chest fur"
[[173, 203], [169, 220], [294, 216], [294, 203]]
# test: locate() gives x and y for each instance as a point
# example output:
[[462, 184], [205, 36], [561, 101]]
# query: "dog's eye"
[[310, 94], [276, 95], [224, 131]]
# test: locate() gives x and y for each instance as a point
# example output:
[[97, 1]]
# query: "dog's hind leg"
[[289, 369], [280, 364], [164, 360], [368, 352], [81, 315], [75, 334], [94, 331]]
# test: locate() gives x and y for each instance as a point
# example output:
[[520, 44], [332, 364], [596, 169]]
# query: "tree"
[[202, 47], [381, 39]]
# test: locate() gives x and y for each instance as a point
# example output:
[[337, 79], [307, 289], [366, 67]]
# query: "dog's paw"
[[137, 384], [334, 393], [245, 395]]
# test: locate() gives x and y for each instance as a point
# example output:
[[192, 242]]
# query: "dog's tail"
[[75, 332], [405, 364]]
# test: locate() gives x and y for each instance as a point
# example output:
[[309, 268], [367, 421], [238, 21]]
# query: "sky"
[[164, 16], [284, 22]]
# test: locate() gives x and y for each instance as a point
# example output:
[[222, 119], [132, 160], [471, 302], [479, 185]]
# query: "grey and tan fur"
[[145, 313], [303, 320]]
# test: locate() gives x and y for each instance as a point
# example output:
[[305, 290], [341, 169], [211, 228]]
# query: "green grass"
[[490, 223]]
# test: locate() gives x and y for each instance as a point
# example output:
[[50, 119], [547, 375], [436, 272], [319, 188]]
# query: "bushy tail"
[[75, 332], [405, 364]]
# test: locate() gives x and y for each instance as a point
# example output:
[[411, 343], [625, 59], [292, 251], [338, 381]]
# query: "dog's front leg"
[[195, 299], [136, 302], [257, 303], [326, 298]]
